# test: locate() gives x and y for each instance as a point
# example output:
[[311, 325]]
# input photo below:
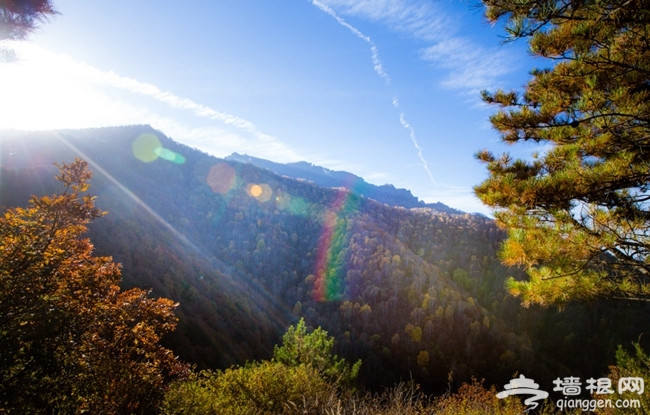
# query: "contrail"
[[379, 68], [406, 125]]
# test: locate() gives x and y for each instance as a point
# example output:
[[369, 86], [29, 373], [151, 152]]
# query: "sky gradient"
[[386, 89]]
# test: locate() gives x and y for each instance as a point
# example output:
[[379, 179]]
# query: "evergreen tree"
[[315, 350], [578, 212], [70, 340]]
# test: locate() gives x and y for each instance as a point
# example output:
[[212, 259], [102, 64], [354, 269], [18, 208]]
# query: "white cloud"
[[377, 177], [462, 198], [44, 90], [422, 20], [470, 67]]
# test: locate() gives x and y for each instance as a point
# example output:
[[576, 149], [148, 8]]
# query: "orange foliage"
[[70, 340]]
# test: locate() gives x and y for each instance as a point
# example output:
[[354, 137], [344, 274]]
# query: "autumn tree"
[[70, 340], [18, 18], [577, 211]]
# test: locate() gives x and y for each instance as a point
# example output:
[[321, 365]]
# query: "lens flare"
[[267, 193], [299, 206], [283, 201], [169, 155], [221, 178], [261, 192], [145, 147], [255, 190], [332, 253]]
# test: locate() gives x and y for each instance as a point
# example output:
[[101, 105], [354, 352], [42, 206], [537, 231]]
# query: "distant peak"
[[322, 176]]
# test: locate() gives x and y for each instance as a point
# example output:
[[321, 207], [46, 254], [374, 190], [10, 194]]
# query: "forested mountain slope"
[[321, 176], [247, 252]]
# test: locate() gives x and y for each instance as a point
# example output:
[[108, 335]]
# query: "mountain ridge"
[[322, 176]]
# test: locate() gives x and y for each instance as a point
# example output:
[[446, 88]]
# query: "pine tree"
[[315, 350], [578, 212], [70, 340]]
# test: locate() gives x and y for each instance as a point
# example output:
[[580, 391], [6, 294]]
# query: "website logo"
[[524, 386], [571, 387]]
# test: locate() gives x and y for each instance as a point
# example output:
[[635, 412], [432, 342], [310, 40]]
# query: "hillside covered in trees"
[[247, 253], [323, 177]]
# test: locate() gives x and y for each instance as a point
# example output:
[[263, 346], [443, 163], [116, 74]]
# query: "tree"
[[315, 350], [634, 366], [18, 18], [70, 340], [578, 212], [300, 378]]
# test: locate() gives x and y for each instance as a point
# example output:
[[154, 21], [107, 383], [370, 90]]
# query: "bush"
[[303, 377], [261, 388], [638, 366], [474, 399]]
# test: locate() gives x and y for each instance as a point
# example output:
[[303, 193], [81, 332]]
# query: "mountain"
[[321, 176], [246, 252]]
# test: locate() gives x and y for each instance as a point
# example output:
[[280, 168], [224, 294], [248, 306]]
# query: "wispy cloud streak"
[[378, 66], [379, 69], [470, 66], [112, 79], [95, 96], [406, 125]]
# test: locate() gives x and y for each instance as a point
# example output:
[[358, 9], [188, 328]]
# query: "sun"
[[42, 90]]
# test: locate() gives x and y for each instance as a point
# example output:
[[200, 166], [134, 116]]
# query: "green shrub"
[[261, 388], [303, 377], [315, 350]]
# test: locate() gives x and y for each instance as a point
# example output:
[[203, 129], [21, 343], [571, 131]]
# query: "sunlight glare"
[[42, 91]]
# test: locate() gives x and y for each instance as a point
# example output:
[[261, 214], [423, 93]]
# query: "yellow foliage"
[[261, 388], [70, 340]]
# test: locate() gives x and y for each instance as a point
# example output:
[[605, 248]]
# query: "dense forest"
[[412, 292]]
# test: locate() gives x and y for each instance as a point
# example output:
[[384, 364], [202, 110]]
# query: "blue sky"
[[385, 89]]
